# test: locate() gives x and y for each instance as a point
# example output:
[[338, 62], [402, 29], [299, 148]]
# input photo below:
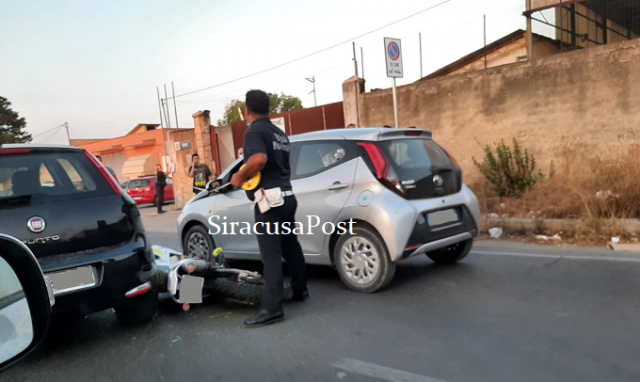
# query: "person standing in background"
[[240, 152], [108, 168], [200, 173], [161, 182]]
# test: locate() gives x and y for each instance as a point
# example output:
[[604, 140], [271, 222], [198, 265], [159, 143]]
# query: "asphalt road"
[[508, 312]]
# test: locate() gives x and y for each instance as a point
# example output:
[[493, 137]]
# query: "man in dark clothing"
[[108, 168], [200, 173], [161, 182], [266, 151]]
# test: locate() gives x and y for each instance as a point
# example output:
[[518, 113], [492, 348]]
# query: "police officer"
[[266, 150]]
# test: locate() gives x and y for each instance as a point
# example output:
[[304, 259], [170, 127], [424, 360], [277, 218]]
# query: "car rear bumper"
[[117, 271], [143, 199]]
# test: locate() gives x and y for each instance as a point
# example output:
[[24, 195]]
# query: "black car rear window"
[[139, 183], [46, 177], [414, 159]]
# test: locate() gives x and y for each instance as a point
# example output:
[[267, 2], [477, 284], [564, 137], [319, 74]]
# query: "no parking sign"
[[393, 53]]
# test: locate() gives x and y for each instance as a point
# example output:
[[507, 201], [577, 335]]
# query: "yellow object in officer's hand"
[[251, 183]]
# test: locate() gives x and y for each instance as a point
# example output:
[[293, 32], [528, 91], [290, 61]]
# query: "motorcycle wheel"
[[249, 292]]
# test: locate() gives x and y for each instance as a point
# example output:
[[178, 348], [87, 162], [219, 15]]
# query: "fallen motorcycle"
[[188, 280]]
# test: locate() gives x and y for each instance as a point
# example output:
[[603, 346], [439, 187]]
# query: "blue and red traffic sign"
[[394, 50], [393, 53]]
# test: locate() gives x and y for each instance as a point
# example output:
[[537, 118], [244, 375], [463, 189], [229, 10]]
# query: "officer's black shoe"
[[300, 295], [264, 318]]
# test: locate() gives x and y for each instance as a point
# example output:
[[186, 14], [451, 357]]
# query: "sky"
[[96, 64]]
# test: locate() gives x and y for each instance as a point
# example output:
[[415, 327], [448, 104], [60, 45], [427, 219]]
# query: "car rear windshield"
[[414, 159], [139, 183], [48, 177]]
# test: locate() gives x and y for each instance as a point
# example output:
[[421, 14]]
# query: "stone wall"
[[588, 100], [182, 184]]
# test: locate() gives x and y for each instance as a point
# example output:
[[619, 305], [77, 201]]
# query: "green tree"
[[12, 126], [278, 103]]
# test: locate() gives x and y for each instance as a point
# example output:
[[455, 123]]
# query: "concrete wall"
[[225, 147], [586, 99], [182, 184]]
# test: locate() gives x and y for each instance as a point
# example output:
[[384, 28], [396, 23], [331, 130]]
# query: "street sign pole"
[[395, 104], [393, 53]]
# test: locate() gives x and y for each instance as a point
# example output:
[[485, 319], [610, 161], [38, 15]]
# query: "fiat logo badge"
[[437, 180], [36, 224]]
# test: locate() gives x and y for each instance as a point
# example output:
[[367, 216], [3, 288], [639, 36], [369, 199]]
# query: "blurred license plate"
[[72, 279], [138, 198], [191, 289], [442, 217]]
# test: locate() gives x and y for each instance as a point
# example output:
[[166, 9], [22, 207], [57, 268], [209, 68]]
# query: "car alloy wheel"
[[360, 260], [198, 246]]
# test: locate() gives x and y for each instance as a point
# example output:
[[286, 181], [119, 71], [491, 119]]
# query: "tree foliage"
[[12, 126], [278, 103], [510, 171]]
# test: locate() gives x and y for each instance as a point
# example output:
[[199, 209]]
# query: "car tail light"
[[147, 189], [14, 151], [384, 172], [103, 170], [451, 158], [412, 133], [137, 291]]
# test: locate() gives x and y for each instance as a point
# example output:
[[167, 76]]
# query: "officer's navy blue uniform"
[[266, 138]]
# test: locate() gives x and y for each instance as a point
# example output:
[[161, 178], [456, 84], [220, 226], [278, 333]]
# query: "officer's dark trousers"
[[159, 196], [274, 247]]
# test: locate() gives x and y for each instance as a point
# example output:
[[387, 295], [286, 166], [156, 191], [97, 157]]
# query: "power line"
[[44, 132], [51, 135], [313, 54]]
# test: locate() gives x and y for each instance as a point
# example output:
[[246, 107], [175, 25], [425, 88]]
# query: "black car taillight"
[[384, 172], [107, 175], [457, 168]]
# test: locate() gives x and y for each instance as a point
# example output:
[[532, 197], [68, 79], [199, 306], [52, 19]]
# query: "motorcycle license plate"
[[191, 289]]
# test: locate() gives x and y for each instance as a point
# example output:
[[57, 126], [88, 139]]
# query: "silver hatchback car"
[[401, 191]]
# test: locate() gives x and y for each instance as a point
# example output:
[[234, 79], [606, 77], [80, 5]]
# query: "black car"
[[86, 233]]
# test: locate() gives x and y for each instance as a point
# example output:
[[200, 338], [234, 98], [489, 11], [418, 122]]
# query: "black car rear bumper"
[[425, 238], [117, 271]]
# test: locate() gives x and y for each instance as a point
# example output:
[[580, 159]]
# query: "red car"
[[143, 190]]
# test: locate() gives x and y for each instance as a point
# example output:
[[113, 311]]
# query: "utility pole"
[[362, 61], [166, 99], [313, 81], [160, 108], [485, 41], [420, 38], [529, 32], [355, 61], [66, 127], [175, 107]]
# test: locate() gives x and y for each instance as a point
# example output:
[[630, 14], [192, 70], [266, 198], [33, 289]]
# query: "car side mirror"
[[213, 185], [26, 297]]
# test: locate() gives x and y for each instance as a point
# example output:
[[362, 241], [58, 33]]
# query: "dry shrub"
[[597, 189]]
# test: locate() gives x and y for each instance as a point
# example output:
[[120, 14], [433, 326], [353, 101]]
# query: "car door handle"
[[337, 186]]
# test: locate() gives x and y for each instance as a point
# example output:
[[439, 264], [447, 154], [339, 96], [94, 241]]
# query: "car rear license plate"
[[138, 198], [442, 217], [191, 289], [71, 280]]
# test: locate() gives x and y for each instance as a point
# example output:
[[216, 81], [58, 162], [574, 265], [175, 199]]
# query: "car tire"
[[198, 243], [140, 309], [451, 254], [362, 261]]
